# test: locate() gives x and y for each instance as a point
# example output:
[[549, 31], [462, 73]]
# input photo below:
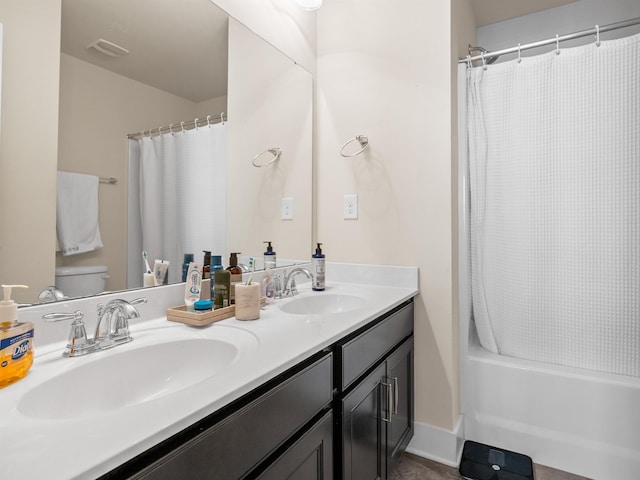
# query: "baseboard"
[[438, 444]]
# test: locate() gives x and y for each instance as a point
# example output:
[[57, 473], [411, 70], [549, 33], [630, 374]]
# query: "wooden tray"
[[180, 314]]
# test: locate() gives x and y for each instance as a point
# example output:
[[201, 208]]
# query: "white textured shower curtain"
[[183, 194], [554, 183]]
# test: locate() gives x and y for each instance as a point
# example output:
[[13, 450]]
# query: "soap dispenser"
[[269, 256], [317, 265], [16, 341], [236, 275], [206, 265]]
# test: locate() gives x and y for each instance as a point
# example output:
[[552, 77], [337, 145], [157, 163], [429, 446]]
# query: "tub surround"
[[89, 445]]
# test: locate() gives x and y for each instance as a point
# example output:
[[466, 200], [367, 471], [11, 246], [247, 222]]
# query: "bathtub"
[[580, 421]]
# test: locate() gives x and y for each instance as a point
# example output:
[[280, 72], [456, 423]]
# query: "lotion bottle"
[[221, 288], [206, 265], [269, 257], [236, 275], [317, 266], [16, 341]]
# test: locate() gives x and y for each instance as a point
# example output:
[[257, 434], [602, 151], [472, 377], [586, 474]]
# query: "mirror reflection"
[[135, 66]]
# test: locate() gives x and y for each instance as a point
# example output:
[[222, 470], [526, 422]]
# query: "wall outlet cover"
[[351, 207], [287, 208]]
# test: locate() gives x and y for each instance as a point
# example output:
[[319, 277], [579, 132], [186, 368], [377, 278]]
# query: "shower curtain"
[[183, 194], [554, 191]]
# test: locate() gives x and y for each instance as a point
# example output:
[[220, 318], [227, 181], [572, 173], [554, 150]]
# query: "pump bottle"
[[269, 257], [317, 266], [236, 275], [16, 341], [206, 265]]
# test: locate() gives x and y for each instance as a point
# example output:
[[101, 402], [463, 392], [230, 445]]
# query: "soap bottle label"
[[318, 274], [16, 357]]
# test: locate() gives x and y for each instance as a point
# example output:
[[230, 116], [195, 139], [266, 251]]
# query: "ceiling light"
[[108, 48], [309, 4]]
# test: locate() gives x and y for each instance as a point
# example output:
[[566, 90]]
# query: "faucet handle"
[[293, 289], [77, 343], [76, 316]]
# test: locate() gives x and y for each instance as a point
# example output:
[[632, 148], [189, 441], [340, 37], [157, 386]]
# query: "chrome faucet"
[[289, 283], [112, 328], [51, 294]]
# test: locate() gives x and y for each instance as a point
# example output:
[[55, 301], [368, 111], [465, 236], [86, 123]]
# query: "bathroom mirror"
[[267, 103]]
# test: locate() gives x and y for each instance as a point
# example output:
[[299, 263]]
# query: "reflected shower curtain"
[[554, 185], [183, 195]]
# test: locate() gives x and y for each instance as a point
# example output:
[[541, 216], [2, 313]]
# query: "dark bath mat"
[[484, 462]]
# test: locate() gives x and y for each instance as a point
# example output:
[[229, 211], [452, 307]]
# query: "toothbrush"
[[146, 262], [252, 266]]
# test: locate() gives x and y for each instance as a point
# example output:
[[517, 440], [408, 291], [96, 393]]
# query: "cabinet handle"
[[394, 409], [387, 408]]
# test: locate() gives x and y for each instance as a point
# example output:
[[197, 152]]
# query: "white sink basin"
[[111, 380], [323, 304]]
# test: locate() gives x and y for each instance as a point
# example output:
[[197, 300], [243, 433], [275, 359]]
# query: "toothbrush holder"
[[247, 301]]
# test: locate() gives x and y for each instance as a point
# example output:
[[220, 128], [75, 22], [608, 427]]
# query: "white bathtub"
[[575, 420]]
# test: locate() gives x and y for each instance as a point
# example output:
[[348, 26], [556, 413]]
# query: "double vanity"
[[321, 386]]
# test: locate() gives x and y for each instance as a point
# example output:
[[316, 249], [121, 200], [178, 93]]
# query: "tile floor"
[[412, 467]]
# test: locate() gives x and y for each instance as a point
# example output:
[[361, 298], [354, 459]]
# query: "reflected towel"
[[77, 213]]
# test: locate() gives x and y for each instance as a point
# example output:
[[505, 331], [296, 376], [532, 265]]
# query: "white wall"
[[385, 71], [29, 143], [282, 23], [270, 105], [570, 18]]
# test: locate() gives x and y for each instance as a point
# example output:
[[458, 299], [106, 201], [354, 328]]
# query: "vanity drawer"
[[233, 447], [360, 353]]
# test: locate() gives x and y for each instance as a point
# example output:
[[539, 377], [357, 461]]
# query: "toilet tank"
[[80, 281]]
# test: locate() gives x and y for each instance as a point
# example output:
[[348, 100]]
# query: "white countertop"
[[90, 445]]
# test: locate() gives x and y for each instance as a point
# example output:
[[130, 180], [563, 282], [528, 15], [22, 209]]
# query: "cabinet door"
[[310, 458], [363, 431], [236, 445], [400, 376]]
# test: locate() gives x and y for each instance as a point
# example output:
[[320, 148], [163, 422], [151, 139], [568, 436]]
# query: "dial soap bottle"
[[16, 341]]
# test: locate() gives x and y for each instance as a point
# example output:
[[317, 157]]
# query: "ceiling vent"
[[107, 48]]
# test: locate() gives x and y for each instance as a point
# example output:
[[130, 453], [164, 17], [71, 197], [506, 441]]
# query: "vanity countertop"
[[64, 445]]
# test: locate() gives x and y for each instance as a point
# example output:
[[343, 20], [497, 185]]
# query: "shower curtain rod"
[[560, 38], [175, 127]]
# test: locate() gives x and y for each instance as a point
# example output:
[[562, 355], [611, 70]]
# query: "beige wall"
[[270, 105], [28, 143], [385, 71], [282, 23]]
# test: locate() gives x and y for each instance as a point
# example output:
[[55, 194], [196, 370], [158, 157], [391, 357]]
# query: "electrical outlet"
[[351, 207], [287, 208]]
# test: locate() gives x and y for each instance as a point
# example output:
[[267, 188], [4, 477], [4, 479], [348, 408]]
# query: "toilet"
[[80, 281]]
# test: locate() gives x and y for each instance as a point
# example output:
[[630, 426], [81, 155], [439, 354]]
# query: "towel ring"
[[275, 151], [361, 139]]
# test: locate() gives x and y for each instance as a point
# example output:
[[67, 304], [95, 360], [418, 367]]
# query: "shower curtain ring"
[[182, 125], [597, 35], [469, 64], [557, 44], [519, 54], [484, 62]]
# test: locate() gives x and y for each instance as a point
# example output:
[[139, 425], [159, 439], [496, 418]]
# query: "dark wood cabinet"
[[344, 413], [310, 458], [376, 410]]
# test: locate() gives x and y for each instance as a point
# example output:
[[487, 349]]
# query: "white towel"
[[77, 213]]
